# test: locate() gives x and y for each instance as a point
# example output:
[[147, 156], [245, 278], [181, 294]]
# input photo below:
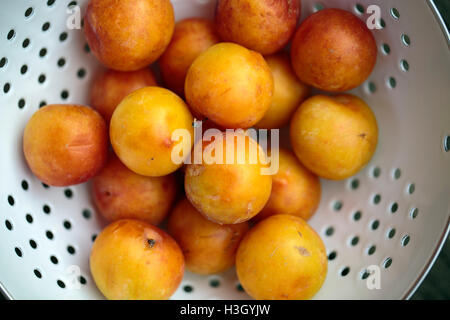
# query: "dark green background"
[[437, 283]]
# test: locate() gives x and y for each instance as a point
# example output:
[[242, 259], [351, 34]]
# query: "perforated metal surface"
[[393, 214]]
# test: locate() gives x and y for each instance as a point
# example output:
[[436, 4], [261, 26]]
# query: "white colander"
[[393, 215]]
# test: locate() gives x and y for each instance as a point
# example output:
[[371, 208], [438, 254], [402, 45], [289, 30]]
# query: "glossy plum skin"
[[289, 92], [333, 50], [230, 85], [128, 35], [208, 247], [265, 26], [281, 258], [231, 192], [334, 136], [110, 87], [65, 144], [295, 189], [119, 193], [142, 128], [191, 38], [134, 260]]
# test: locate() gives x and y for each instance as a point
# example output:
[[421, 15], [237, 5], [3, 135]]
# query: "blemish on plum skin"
[[303, 251], [362, 135], [151, 242]]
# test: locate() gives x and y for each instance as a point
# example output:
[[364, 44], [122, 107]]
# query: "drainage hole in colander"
[[61, 284], [239, 287], [86, 213], [354, 241], [371, 87], [46, 186], [46, 26], [71, 4], [8, 225], [28, 12], [376, 199], [214, 283], [396, 174], [359, 8], [329, 231], [332, 255], [18, 252], [414, 213], [68, 193], [375, 224], [391, 233], [46, 209], [41, 78], [381, 23], [81, 73], [354, 184], [188, 288], [42, 52], [11, 34], [54, 259], [405, 240], [337, 205], [11, 200], [394, 207], [411, 188], [317, 7], [345, 271], [3, 62], [6, 87], [63, 36], [25, 43], [41, 104], [364, 274], [29, 218], [86, 48], [447, 144], [406, 40], [70, 249], [376, 172], [395, 13], [404, 65], [357, 215], [37, 273], [49, 235], [67, 225], [64, 94], [387, 263], [94, 236], [392, 83], [61, 62], [385, 49], [371, 250], [82, 280], [21, 104], [33, 244]]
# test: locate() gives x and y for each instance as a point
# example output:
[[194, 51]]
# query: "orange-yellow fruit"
[[234, 191], [208, 247], [119, 193], [65, 144], [288, 93], [128, 35], [295, 190], [333, 50], [142, 130], [191, 37], [261, 25], [111, 86], [281, 258], [335, 136], [230, 85], [133, 260]]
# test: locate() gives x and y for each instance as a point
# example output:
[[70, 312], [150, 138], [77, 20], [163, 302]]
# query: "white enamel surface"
[[414, 119]]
